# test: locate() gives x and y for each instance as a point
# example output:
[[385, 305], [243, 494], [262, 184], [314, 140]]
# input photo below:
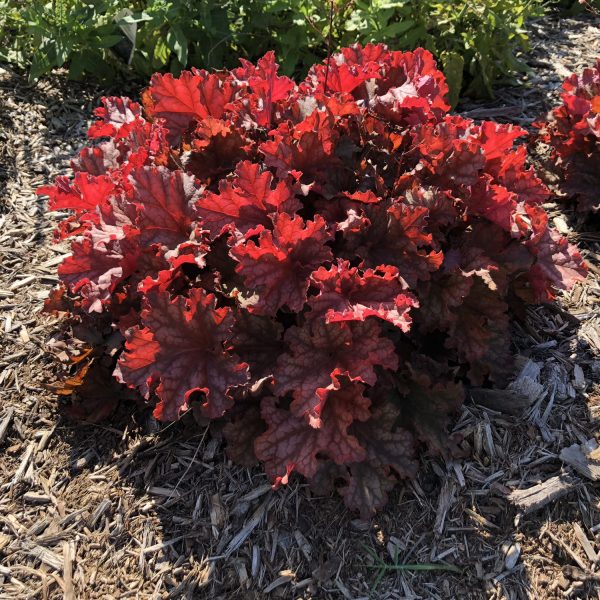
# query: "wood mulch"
[[132, 510]]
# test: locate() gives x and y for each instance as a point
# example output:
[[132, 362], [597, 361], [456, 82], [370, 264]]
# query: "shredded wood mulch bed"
[[130, 509]]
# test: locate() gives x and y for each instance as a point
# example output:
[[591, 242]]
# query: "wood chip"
[[161, 545], [34, 498], [504, 401], [538, 496], [445, 501], [4, 424], [256, 493], [281, 580], [578, 378], [22, 282], [561, 225], [164, 491], [512, 556], [46, 556], [580, 458], [303, 544], [68, 552], [585, 543], [20, 472], [100, 510], [217, 514], [248, 528]]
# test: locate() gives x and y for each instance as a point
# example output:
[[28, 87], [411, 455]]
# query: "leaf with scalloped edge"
[[427, 407], [320, 353], [94, 271], [181, 100], [179, 350], [246, 201], [278, 267], [115, 112], [347, 295], [165, 202], [291, 444], [396, 234]]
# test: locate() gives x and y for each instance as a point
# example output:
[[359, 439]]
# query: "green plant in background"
[[478, 42], [43, 35], [485, 37]]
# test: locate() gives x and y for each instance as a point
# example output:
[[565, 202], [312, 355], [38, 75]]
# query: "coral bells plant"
[[573, 134], [323, 266]]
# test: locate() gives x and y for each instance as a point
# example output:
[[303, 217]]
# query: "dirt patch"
[[131, 509]]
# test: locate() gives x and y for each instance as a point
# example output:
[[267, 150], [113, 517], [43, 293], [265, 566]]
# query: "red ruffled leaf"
[[83, 195], [94, 271], [480, 334], [258, 341], [277, 268], [389, 454], [408, 88], [98, 160], [245, 202], [387, 445], [291, 444], [217, 146], [268, 88], [558, 265], [397, 236], [242, 431], [347, 295], [319, 354], [498, 139], [179, 101], [166, 205], [113, 115], [442, 211], [427, 408], [178, 351], [451, 156], [308, 147], [494, 202]]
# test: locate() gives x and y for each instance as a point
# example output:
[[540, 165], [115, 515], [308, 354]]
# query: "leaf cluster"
[[572, 130], [322, 266]]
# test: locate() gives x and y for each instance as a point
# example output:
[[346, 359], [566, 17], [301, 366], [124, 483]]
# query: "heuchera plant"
[[322, 265], [573, 133]]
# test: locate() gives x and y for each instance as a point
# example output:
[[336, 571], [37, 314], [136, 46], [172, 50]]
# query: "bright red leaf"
[[165, 202], [277, 268], [347, 295], [246, 201]]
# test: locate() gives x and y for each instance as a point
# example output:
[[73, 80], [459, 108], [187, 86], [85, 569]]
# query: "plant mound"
[[573, 134], [324, 265]]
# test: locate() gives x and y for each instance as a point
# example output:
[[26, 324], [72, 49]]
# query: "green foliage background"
[[478, 42]]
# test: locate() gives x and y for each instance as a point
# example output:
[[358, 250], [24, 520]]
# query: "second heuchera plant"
[[324, 265], [572, 131]]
